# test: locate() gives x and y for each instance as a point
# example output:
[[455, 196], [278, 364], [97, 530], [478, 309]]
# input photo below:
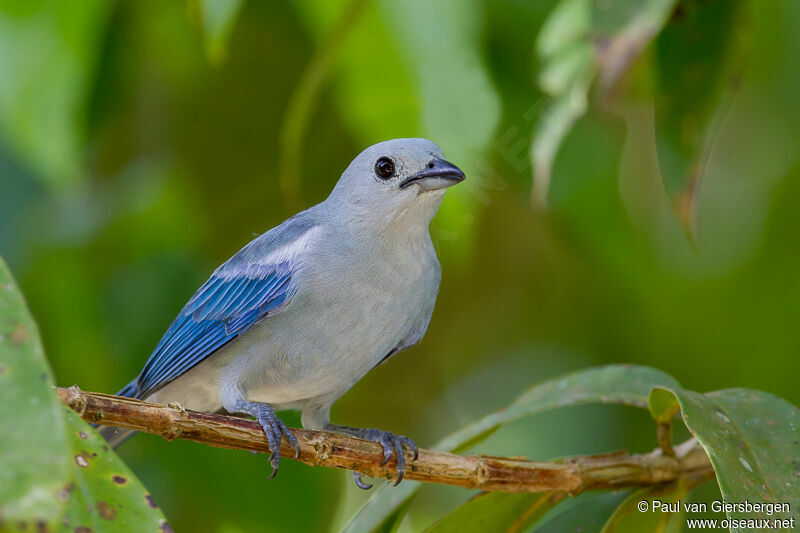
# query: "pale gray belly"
[[322, 350]]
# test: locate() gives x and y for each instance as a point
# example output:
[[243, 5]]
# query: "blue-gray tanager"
[[304, 311]]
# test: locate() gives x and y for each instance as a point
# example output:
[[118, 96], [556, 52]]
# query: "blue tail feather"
[[116, 436], [131, 390]]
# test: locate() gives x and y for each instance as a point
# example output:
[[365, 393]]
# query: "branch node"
[[322, 447], [75, 399], [175, 406], [482, 473]]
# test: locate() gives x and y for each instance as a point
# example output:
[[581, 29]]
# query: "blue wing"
[[254, 283], [226, 305]]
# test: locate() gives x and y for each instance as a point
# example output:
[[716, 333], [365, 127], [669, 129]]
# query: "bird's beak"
[[437, 175]]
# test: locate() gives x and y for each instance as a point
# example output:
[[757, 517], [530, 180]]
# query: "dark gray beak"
[[437, 175]]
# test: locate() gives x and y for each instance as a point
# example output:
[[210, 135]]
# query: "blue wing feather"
[[231, 301], [244, 290]]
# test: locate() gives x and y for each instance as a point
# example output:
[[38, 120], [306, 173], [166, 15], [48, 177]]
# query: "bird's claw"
[[391, 444], [360, 482], [275, 430]]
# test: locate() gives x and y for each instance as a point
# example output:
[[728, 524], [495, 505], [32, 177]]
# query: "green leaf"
[[697, 59], [48, 53], [589, 515], [620, 384], [629, 518], [33, 445], [105, 495], [663, 406], [219, 17], [751, 438], [498, 511]]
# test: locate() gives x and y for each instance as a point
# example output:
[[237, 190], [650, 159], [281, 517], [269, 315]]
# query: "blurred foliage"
[[218, 18], [131, 165], [588, 515], [628, 518], [581, 40], [48, 60], [498, 511]]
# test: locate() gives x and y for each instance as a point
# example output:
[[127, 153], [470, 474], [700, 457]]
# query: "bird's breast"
[[346, 315]]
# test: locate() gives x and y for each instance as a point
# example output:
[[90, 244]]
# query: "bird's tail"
[[116, 436]]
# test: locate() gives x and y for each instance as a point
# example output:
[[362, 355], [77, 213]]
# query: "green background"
[[139, 149]]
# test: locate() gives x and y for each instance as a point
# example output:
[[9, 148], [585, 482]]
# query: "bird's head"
[[400, 178]]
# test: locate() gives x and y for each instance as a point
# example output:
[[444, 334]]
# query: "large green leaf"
[[629, 517], [33, 445], [499, 512], [751, 437], [587, 516], [48, 52], [105, 495], [621, 384]]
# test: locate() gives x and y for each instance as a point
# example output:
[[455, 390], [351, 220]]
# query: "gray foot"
[[391, 444], [275, 430]]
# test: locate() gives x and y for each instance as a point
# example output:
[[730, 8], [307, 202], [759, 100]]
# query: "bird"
[[304, 311]]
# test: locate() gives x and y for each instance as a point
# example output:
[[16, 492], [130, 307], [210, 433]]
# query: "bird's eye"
[[384, 168]]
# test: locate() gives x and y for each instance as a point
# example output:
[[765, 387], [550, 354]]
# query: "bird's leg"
[[273, 426], [391, 444]]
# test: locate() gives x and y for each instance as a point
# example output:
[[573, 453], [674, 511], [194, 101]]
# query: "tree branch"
[[489, 473]]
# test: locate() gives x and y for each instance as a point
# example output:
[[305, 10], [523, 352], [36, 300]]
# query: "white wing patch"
[[289, 252]]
